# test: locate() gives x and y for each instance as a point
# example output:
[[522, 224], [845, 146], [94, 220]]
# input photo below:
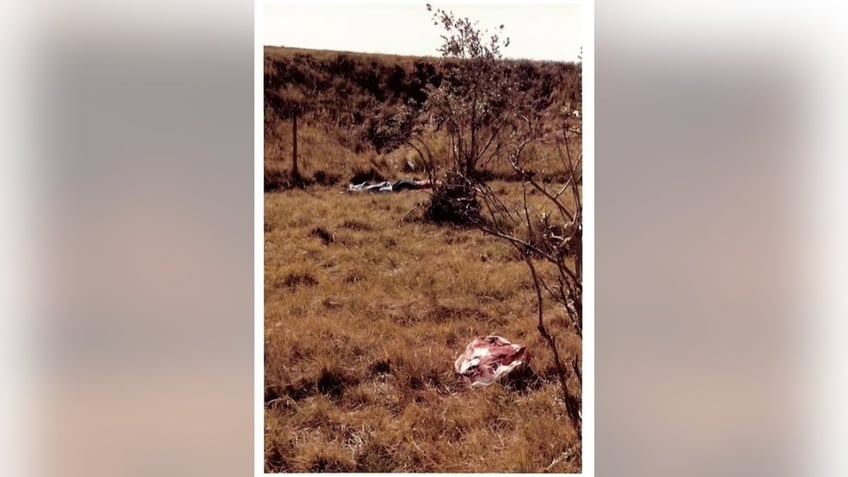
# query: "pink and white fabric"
[[488, 359]]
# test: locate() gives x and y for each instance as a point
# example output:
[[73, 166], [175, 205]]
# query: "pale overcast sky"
[[545, 30]]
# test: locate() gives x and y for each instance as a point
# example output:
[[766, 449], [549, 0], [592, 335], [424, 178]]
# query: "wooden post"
[[295, 171]]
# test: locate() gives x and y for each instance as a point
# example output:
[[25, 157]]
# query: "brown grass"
[[366, 308]]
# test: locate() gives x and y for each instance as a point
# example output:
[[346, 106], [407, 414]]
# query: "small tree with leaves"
[[472, 106], [483, 114], [472, 102]]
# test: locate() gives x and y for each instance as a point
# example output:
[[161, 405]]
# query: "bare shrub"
[[551, 244], [454, 201]]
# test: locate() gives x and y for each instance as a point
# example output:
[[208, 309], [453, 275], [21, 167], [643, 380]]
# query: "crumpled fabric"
[[488, 359], [386, 186]]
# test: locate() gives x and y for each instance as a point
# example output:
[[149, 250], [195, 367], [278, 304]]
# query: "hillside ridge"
[[348, 105]]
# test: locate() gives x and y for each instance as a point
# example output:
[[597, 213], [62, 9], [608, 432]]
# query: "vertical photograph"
[[423, 237]]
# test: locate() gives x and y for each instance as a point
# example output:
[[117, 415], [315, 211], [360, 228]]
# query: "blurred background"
[[127, 278], [135, 259], [719, 199]]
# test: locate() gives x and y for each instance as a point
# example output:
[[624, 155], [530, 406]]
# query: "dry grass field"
[[366, 308], [367, 305]]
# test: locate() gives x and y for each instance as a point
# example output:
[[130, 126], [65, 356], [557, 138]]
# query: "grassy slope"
[[361, 334], [367, 87]]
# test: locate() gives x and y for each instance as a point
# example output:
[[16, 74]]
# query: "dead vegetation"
[[360, 339]]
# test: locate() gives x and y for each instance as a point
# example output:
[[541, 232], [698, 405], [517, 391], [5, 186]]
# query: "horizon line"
[[412, 55]]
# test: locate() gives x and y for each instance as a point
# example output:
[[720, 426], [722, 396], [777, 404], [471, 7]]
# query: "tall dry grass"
[[366, 308]]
